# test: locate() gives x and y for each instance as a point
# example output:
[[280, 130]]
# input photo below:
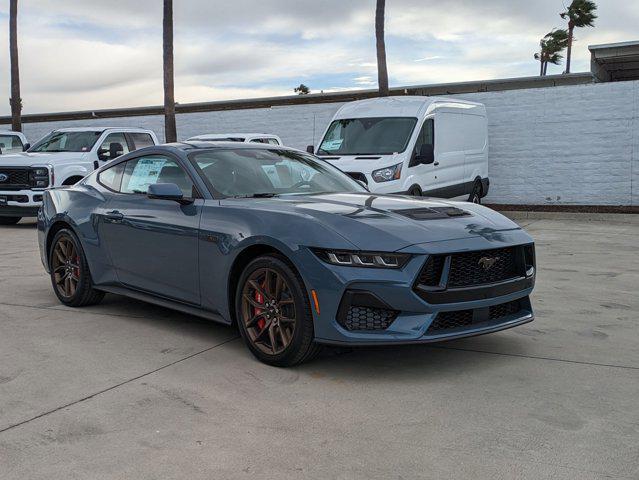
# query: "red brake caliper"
[[259, 299]]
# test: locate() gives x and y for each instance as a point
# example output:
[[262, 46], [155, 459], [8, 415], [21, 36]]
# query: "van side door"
[[424, 174]]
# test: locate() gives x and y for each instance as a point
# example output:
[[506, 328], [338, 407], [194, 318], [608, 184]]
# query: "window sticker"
[[145, 173], [332, 144]]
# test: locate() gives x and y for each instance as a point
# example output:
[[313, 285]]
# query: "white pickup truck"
[[63, 157]]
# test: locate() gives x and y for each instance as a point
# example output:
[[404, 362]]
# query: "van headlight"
[[387, 174], [347, 258]]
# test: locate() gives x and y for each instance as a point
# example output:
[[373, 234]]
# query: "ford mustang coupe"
[[286, 246]]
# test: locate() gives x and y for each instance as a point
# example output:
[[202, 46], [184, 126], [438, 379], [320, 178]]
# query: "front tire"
[[475, 195], [9, 220], [274, 313], [415, 191], [70, 275]]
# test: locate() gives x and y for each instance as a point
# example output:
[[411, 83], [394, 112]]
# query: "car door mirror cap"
[[168, 191], [310, 149]]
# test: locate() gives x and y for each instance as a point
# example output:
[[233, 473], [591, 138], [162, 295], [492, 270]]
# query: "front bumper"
[[20, 203], [415, 318]]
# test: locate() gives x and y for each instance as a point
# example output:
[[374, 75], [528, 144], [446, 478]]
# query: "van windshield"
[[367, 136]]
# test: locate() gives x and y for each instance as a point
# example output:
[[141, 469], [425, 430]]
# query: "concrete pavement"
[[129, 390]]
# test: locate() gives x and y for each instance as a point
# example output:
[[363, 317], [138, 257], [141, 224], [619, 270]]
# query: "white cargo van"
[[428, 146]]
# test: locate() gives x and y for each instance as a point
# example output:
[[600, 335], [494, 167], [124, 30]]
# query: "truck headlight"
[[387, 174], [347, 258]]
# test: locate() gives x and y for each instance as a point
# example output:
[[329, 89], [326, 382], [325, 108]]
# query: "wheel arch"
[[51, 233], [241, 261]]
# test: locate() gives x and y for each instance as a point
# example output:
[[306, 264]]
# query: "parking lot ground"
[[127, 390]]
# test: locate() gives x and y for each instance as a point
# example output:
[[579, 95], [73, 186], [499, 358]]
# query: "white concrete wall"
[[559, 145]]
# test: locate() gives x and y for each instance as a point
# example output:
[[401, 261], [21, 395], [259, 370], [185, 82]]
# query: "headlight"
[[41, 172], [387, 174], [362, 259]]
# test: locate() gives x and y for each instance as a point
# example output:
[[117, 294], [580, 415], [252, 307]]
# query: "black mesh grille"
[[16, 177], [432, 271], [358, 176], [450, 320], [368, 318], [467, 318], [503, 310], [484, 266]]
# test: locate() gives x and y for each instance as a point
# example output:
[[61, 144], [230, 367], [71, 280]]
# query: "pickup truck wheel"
[[274, 313], [70, 274], [9, 220]]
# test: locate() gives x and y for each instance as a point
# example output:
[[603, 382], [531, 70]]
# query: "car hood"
[[26, 159], [390, 222]]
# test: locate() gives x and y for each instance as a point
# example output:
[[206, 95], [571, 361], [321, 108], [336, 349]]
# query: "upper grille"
[[368, 318], [473, 268], [17, 178]]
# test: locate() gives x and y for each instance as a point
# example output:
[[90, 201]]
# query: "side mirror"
[[310, 149], [115, 150], [426, 154], [167, 191], [26, 147]]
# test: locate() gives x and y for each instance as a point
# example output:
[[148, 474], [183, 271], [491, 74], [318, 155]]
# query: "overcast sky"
[[90, 54]]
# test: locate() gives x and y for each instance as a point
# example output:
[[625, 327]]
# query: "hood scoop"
[[432, 213]]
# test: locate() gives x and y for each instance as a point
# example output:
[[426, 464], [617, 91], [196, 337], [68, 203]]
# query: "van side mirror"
[[26, 147], [426, 154], [310, 149], [167, 191]]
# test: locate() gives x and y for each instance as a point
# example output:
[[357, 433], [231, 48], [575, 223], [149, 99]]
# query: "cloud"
[[86, 54]]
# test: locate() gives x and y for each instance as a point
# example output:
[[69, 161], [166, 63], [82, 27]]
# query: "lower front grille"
[[368, 318], [449, 321]]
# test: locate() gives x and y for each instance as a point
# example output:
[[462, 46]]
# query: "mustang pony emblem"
[[487, 262]]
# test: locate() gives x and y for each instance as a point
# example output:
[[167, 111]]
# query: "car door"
[[153, 243], [425, 174]]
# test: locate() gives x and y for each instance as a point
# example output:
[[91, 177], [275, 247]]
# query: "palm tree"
[[382, 71], [551, 47], [15, 101], [580, 13], [170, 131]]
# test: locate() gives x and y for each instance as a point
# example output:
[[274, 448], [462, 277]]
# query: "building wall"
[[575, 144]]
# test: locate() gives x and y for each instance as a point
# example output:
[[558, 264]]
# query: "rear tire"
[[70, 275], [273, 313], [475, 195], [9, 220]]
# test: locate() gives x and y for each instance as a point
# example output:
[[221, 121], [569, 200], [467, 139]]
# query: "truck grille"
[[19, 178]]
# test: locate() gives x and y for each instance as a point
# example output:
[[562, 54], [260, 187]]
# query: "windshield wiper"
[[257, 195]]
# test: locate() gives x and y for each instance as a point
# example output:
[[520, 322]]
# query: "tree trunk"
[[571, 27], [545, 68], [15, 101], [170, 131], [541, 67], [382, 72]]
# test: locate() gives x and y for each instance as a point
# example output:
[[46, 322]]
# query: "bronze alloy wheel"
[[66, 267], [268, 311]]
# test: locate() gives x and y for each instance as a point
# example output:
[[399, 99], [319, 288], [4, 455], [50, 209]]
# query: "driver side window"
[[114, 145], [426, 137], [141, 172]]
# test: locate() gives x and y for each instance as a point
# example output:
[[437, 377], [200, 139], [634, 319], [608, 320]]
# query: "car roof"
[[235, 134], [101, 129], [204, 145]]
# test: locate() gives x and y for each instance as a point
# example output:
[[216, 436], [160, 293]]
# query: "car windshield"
[[67, 142], [368, 136], [249, 172]]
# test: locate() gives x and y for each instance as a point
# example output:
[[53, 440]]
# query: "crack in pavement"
[[113, 387]]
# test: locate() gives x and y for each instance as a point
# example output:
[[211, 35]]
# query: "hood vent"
[[432, 213]]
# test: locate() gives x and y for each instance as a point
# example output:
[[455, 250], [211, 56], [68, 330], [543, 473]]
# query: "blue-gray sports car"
[[291, 249]]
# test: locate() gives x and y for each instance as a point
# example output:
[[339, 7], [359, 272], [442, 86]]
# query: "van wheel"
[[475, 195], [9, 220], [415, 191]]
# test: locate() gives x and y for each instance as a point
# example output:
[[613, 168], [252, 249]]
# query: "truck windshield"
[[367, 136], [67, 142]]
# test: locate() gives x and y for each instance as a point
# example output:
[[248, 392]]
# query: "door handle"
[[114, 216]]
